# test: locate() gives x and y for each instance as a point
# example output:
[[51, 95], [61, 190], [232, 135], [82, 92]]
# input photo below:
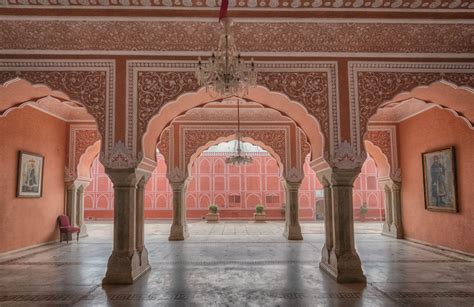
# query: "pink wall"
[[431, 130], [29, 221], [213, 181]]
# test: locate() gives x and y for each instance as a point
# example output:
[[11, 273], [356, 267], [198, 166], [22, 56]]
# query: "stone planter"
[[259, 217], [212, 217]]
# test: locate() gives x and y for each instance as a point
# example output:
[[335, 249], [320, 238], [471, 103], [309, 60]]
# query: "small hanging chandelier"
[[226, 73], [239, 156]]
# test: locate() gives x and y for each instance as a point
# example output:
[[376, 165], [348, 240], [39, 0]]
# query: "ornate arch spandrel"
[[276, 139], [88, 82], [154, 84], [373, 83]]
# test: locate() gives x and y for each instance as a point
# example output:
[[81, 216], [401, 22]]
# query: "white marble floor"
[[237, 264]]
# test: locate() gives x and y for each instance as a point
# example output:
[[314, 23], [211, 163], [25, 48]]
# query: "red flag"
[[223, 12]]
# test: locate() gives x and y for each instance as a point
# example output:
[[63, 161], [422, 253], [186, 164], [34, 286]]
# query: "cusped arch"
[[275, 100], [223, 139], [381, 160], [444, 94], [86, 160], [17, 92]]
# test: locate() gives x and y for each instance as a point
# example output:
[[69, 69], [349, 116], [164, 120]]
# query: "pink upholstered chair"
[[65, 228]]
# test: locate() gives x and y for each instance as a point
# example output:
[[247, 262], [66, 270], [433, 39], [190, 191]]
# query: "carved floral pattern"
[[87, 87], [307, 88], [375, 88], [120, 157], [156, 89], [381, 139], [170, 36]]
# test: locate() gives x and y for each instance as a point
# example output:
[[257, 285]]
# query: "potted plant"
[[259, 214], [212, 216], [363, 212]]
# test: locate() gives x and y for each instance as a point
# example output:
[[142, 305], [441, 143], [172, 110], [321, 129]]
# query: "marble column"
[[343, 263], [396, 228], [124, 263], [292, 224], [388, 210], [179, 230], [328, 227], [80, 210], [71, 202], [140, 222]]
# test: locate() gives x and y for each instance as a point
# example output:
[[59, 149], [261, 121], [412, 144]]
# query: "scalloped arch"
[[275, 100], [199, 151]]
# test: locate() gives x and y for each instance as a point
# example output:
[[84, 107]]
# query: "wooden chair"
[[65, 228]]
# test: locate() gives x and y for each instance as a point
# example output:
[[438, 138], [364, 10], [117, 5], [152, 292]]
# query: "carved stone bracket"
[[346, 157], [120, 157]]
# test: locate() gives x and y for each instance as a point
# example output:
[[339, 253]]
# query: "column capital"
[[294, 175], [344, 177], [123, 176]]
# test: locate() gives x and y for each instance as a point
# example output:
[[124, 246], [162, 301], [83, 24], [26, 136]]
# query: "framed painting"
[[30, 174], [439, 178]]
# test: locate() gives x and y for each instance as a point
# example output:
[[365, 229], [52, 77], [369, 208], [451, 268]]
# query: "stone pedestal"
[[179, 229], [260, 217], [124, 264], [292, 224], [212, 217], [339, 256]]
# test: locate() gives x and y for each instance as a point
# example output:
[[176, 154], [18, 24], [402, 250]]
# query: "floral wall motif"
[[156, 88], [165, 36], [308, 88], [376, 83]]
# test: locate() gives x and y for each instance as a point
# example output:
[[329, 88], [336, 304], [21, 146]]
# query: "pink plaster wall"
[[30, 221], [431, 130]]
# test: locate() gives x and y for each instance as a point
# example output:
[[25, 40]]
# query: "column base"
[[325, 254], [143, 256], [178, 233], [124, 270], [293, 232], [83, 232], [392, 231], [344, 269]]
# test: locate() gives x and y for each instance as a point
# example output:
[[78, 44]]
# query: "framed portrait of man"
[[30, 174], [439, 174]]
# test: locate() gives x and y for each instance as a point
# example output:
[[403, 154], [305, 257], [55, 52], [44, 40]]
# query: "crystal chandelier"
[[239, 156], [226, 73]]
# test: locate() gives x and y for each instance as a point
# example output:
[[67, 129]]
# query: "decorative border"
[[107, 66], [393, 67], [328, 67], [261, 5]]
